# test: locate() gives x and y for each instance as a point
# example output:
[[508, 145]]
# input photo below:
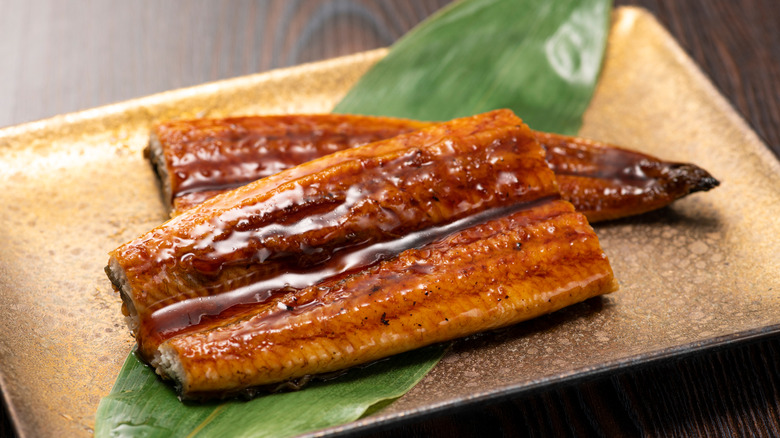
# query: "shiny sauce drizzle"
[[189, 315], [377, 200]]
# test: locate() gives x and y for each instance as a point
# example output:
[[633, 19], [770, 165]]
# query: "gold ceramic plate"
[[695, 275]]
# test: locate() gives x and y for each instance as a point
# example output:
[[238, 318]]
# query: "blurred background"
[[63, 56]]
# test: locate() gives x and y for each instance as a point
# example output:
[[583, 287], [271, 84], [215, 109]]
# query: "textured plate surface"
[[694, 275]]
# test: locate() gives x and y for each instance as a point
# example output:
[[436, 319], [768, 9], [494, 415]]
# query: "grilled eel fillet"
[[197, 159], [494, 274], [209, 156], [325, 217]]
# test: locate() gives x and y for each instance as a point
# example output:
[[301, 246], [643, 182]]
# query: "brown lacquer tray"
[[699, 274]]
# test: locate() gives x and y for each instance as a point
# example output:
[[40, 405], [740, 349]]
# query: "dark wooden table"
[[63, 56]]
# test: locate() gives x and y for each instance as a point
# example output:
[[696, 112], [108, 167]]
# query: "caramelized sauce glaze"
[[498, 272], [220, 154], [212, 156], [298, 219], [607, 182], [193, 314]]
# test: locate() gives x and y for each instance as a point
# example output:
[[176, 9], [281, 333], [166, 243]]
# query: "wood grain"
[[66, 56]]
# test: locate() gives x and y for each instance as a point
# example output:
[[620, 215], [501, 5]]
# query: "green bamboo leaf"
[[539, 58], [140, 404]]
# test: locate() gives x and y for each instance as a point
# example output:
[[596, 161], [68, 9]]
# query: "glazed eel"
[[498, 273], [197, 159], [426, 236]]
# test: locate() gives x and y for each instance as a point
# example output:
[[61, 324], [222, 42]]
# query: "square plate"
[[702, 273]]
